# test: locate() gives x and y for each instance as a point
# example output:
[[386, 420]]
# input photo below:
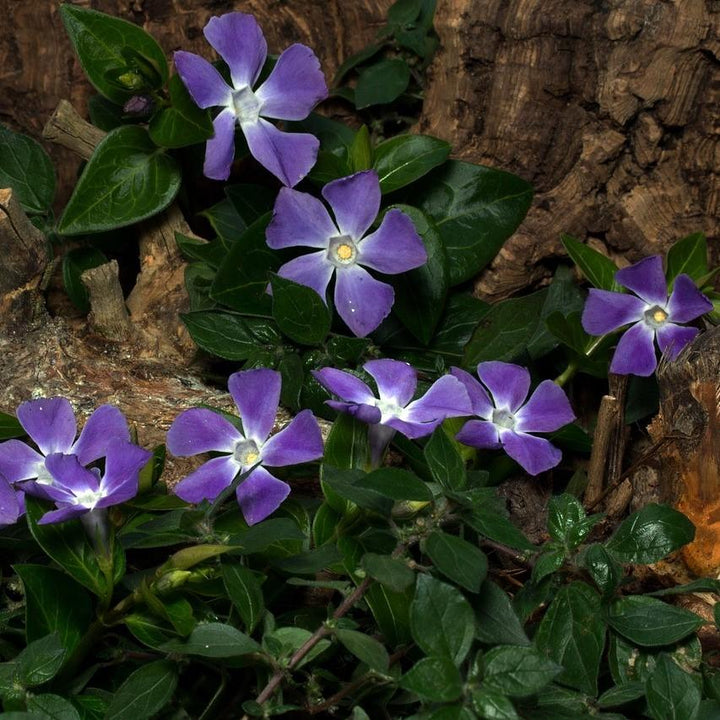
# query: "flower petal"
[[9, 505], [344, 385], [208, 481], [646, 279], [288, 156], [299, 219], [607, 311], [298, 442], [122, 467], [295, 85], [411, 429], [355, 201], [673, 338], [204, 83], [260, 495], [19, 461], [50, 422], [533, 454], [365, 413], [106, 424], [508, 383], [239, 41], [480, 434], [67, 512], [394, 247], [446, 397], [635, 353], [200, 430], [479, 399], [396, 380], [220, 148], [547, 410], [361, 301], [686, 301], [257, 395], [312, 270], [71, 478]]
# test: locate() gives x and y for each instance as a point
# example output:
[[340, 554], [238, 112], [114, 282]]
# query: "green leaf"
[[392, 573], [444, 461], [346, 484], [391, 611], [441, 620], [650, 534], [285, 641], [360, 155], [492, 705], [145, 692], [650, 622], [621, 694], [504, 330], [457, 559], [567, 522], [475, 208], [572, 633], [547, 563], [27, 169], [689, 256], [68, 545], [149, 629], [181, 124], [365, 648], [10, 427], [51, 707], [596, 267], [109, 48], [603, 569], [299, 311], [381, 83], [74, 263], [213, 640], [671, 693], [433, 678], [127, 179], [230, 335], [292, 372], [54, 603], [491, 520], [40, 661], [396, 484], [403, 159], [354, 60], [346, 447], [497, 621], [517, 671]]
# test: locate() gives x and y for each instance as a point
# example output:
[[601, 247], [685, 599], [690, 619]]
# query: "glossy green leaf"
[[475, 208], [494, 705], [671, 693], [40, 661], [299, 311], [26, 168], [650, 534], [230, 335], [403, 159], [347, 485], [689, 256], [572, 633], [396, 484], [603, 568], [360, 155], [444, 461], [51, 707], [74, 263], [621, 694], [457, 559], [567, 522], [597, 268], [488, 520], [547, 563], [517, 671], [365, 648], [181, 124], [114, 53], [145, 692], [126, 180], [347, 445], [650, 622], [392, 573], [213, 640], [433, 678], [391, 611], [354, 60], [10, 427], [497, 621], [441, 620], [381, 83]]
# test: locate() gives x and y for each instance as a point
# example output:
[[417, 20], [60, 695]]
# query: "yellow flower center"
[[659, 316], [344, 252]]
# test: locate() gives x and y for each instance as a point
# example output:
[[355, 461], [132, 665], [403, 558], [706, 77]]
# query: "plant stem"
[[567, 373]]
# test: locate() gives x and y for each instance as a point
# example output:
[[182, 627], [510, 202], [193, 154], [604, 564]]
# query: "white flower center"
[[43, 475], [246, 453], [342, 251], [503, 419], [246, 105], [388, 410], [655, 317], [88, 498]]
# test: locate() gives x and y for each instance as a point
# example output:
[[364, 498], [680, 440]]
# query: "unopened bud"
[[138, 105], [171, 580]]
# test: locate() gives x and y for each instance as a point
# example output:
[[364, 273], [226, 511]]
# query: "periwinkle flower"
[[257, 396], [50, 423], [12, 504], [77, 490], [295, 85], [393, 408], [654, 315], [344, 249], [508, 418]]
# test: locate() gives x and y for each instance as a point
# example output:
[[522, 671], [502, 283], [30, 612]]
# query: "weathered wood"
[[108, 314]]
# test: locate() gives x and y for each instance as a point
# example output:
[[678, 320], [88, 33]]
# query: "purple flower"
[[652, 313], [77, 490], [300, 219], [507, 420], [257, 395], [392, 409], [12, 504], [295, 85], [50, 423]]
